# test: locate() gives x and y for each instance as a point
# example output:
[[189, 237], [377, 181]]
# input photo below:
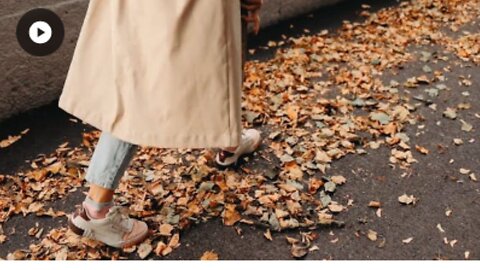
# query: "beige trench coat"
[[163, 73]]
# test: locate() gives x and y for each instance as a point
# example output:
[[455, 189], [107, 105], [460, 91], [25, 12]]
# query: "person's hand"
[[253, 10]]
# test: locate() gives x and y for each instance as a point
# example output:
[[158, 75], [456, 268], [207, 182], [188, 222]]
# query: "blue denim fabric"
[[109, 162]]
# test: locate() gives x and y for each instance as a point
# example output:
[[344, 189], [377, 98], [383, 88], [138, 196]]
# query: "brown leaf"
[[314, 184], [268, 235], [174, 241], [372, 235], [166, 229], [338, 179], [299, 250], [209, 256], [374, 204], [144, 250], [406, 199], [161, 246], [422, 150], [35, 207], [335, 208], [230, 215], [292, 112]]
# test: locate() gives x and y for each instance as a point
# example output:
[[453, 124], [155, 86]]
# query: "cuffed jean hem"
[[110, 159]]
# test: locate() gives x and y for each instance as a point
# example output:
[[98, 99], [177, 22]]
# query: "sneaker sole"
[[79, 231]]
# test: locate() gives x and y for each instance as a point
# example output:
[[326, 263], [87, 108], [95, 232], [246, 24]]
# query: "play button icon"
[[40, 32]]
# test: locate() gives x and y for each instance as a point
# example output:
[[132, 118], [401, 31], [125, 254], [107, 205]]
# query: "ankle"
[[95, 209]]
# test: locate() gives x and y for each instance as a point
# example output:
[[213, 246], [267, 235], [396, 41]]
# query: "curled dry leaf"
[[422, 150], [299, 250], [161, 246], [439, 227], [374, 204], [268, 235], [407, 241]]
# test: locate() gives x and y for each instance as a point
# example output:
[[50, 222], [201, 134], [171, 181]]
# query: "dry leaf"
[[374, 204], [230, 216], [144, 250], [457, 141], [372, 235], [407, 241], [335, 208], [466, 126], [174, 241], [338, 179], [268, 235], [209, 256], [166, 229], [299, 250], [421, 149], [439, 227], [450, 113], [407, 199], [161, 246]]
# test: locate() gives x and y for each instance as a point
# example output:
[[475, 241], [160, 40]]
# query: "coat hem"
[[195, 141]]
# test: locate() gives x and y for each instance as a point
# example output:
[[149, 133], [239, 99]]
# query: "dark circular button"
[[40, 32]]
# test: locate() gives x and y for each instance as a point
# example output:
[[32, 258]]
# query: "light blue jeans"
[[109, 162]]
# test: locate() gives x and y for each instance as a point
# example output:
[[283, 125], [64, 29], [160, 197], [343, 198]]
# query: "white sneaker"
[[250, 141], [116, 229]]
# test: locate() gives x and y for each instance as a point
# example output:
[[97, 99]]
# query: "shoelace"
[[119, 219]]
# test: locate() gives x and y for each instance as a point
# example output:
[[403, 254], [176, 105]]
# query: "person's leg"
[[98, 218], [107, 166]]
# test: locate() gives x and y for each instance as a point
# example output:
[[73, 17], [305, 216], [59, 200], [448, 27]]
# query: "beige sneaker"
[[116, 229], [251, 140]]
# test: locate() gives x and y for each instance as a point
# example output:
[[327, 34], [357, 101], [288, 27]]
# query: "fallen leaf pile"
[[318, 100]]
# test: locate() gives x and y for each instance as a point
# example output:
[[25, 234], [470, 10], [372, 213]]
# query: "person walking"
[[159, 73]]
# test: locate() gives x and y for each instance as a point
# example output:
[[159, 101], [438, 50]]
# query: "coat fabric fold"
[[161, 73]]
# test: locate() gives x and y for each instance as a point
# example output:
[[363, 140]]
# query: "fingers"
[[253, 18], [253, 8]]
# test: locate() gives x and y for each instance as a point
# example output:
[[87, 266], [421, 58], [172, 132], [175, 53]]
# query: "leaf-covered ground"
[[370, 151]]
